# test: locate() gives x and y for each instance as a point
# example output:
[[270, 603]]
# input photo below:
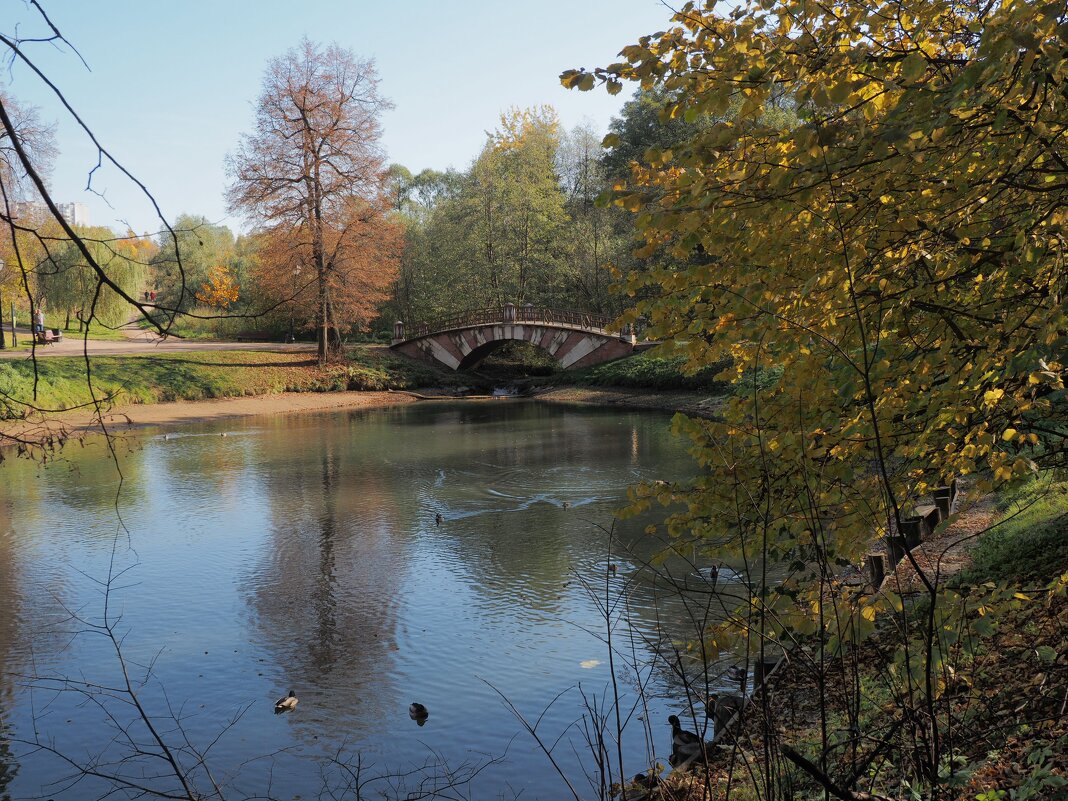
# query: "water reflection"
[[9, 595], [306, 553], [322, 591]]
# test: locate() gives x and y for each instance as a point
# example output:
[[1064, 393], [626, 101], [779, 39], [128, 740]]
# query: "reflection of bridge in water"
[[574, 339]]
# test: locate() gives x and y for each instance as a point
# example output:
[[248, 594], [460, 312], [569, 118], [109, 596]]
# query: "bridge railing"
[[507, 314]]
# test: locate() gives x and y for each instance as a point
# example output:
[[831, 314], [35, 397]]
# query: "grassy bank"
[[1030, 543], [648, 370], [1001, 695], [653, 370], [206, 374]]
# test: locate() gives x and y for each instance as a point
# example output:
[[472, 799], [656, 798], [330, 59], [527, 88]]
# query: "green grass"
[[96, 331], [1030, 545], [647, 371], [206, 374]]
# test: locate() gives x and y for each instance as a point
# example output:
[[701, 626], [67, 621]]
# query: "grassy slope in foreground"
[[198, 375], [1008, 702]]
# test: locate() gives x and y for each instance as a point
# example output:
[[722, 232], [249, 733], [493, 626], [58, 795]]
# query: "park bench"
[[49, 336], [255, 336]]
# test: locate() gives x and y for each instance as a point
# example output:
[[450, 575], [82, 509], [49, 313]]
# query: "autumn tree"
[[19, 247], [899, 254], [514, 207], [361, 244], [311, 175], [598, 238], [65, 281], [496, 233], [184, 260]]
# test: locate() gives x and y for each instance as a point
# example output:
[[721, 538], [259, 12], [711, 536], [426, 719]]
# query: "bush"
[[648, 371]]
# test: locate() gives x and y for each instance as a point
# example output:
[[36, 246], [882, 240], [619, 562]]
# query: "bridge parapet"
[[507, 314]]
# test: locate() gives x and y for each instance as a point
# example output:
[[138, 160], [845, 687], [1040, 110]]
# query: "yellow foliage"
[[898, 250], [220, 290]]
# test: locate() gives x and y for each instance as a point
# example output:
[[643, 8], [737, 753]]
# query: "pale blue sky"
[[172, 84]]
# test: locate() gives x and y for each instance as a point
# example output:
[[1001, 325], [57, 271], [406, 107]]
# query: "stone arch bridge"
[[461, 342]]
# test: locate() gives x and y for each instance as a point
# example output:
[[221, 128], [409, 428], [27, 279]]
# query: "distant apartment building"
[[35, 211], [74, 213]]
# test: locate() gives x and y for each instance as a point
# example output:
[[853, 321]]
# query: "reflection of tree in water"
[[9, 602], [323, 594]]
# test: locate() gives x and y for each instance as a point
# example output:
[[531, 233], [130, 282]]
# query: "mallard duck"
[[613, 569], [439, 519], [648, 782], [286, 703], [418, 713], [680, 738]]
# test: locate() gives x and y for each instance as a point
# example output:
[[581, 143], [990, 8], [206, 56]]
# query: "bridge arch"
[[574, 339]]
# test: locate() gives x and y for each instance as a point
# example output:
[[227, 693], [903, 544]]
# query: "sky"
[[170, 86]]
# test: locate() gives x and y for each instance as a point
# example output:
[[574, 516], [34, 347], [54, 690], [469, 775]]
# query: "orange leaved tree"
[[311, 177]]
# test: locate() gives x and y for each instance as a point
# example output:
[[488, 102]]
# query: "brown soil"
[[54, 429]]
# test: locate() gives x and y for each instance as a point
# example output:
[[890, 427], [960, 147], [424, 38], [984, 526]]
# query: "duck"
[[418, 712], [680, 738], [286, 703], [566, 504], [649, 782], [439, 519], [613, 569], [737, 672]]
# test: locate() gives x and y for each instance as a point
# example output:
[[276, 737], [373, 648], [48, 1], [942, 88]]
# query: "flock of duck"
[[686, 746], [287, 703]]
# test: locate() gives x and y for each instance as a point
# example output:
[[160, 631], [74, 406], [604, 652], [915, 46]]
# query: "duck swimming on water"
[[286, 703], [418, 713]]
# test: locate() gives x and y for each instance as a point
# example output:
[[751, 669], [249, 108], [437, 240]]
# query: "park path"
[[140, 341]]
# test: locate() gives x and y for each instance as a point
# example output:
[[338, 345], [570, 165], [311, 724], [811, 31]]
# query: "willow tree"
[[899, 252], [314, 156]]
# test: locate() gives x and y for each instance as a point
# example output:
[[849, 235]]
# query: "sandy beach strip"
[[50, 427]]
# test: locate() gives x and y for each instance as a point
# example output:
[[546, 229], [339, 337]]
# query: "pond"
[[305, 553]]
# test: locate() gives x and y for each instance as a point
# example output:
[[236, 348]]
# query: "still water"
[[305, 553]]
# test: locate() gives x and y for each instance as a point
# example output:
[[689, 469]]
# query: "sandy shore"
[[53, 429], [58, 427]]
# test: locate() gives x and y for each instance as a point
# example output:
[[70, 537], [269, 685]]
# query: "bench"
[[49, 336], [255, 336]]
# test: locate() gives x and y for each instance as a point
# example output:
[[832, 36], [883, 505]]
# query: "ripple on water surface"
[[305, 553]]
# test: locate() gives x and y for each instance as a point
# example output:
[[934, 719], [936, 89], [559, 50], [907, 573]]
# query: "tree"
[[20, 247], [313, 165], [598, 236], [360, 248], [899, 254], [202, 246], [65, 281], [515, 209], [493, 235]]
